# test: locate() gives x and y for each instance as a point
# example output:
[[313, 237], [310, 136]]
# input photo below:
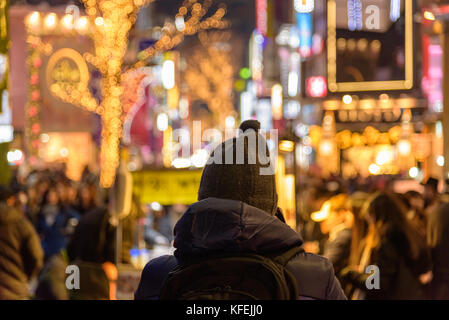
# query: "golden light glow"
[[285, 185], [323, 213], [374, 169], [347, 99], [67, 21], [429, 15], [74, 148], [167, 149], [286, 146], [326, 147], [383, 157], [99, 21], [413, 172], [404, 147], [50, 20], [276, 101], [81, 24], [55, 25], [335, 86], [33, 20], [289, 200]]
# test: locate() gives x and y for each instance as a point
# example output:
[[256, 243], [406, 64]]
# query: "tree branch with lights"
[[111, 21]]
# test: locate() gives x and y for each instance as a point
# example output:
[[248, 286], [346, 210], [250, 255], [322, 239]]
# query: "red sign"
[[261, 16], [316, 86]]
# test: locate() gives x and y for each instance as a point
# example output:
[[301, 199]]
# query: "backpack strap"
[[286, 256], [282, 259]]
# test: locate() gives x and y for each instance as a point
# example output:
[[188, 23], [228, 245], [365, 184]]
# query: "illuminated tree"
[[112, 20]]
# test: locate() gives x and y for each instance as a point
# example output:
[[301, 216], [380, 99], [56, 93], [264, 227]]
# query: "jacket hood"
[[222, 225], [9, 214]]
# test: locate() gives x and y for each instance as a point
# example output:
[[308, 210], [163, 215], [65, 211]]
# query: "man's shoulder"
[[153, 276], [309, 262], [315, 275]]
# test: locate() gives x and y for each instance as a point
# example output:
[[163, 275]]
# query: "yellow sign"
[[167, 187]]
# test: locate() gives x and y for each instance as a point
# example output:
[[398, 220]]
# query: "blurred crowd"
[[405, 235], [48, 221]]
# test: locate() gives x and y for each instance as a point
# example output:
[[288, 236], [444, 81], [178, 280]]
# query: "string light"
[[209, 75], [36, 49], [188, 21], [50, 21]]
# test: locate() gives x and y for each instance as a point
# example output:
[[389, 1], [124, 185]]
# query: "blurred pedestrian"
[[431, 194], [21, 255], [87, 199], [156, 230], [54, 224], [438, 241], [314, 239], [92, 249], [51, 284], [336, 220], [416, 213], [359, 228], [392, 245]]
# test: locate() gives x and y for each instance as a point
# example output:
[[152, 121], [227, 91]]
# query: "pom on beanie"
[[250, 124]]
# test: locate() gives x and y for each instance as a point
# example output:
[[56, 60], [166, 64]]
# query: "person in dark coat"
[[21, 254], [51, 284], [94, 238], [237, 212], [92, 249], [399, 253], [438, 241]]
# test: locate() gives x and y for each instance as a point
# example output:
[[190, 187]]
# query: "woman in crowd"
[[358, 232], [87, 198], [391, 245], [416, 214]]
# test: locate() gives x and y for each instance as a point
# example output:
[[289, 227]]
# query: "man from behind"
[[21, 254], [237, 214]]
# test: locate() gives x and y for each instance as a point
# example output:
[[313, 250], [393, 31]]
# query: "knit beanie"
[[235, 170]]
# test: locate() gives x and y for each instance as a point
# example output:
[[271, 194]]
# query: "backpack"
[[242, 276]]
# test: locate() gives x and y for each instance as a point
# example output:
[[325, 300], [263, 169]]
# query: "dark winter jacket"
[[51, 282], [93, 239], [21, 255], [217, 225], [92, 244]]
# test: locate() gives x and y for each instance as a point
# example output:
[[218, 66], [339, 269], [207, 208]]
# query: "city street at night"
[[224, 150]]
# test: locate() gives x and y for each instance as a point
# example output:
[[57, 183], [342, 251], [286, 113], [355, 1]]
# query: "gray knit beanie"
[[239, 180]]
